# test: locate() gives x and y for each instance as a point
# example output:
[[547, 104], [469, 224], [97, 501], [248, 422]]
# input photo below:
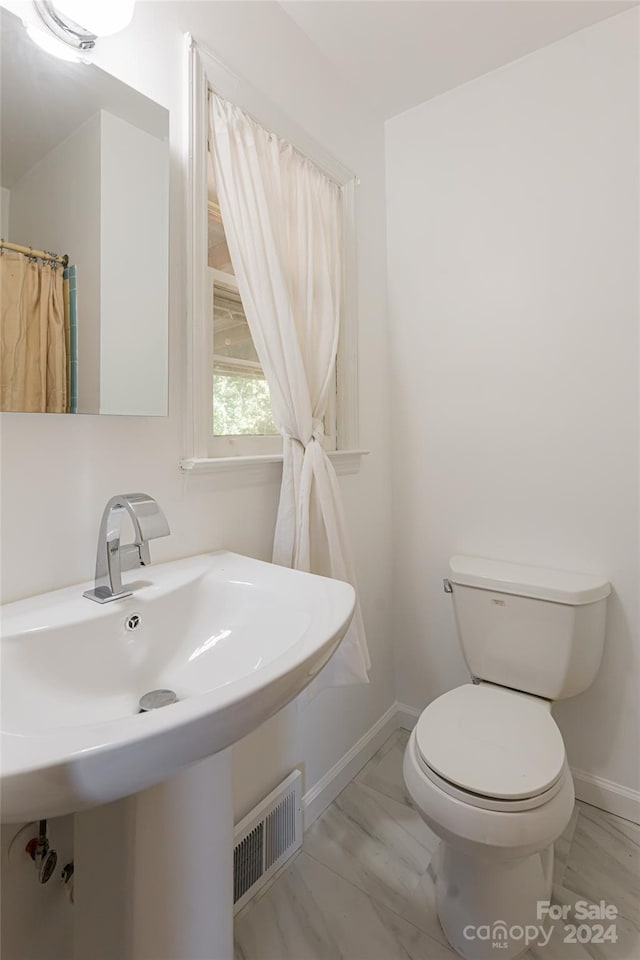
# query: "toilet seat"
[[491, 747], [490, 803], [474, 826]]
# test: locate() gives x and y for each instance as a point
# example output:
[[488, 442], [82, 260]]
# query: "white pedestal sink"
[[236, 639]]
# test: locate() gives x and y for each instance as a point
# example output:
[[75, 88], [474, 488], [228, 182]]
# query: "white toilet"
[[486, 765]]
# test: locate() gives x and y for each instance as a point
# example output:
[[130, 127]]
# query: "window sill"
[[344, 462]]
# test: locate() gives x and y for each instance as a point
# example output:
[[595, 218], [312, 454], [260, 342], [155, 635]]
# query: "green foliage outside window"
[[241, 405]]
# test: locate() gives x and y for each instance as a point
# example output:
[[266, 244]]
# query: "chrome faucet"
[[113, 557]]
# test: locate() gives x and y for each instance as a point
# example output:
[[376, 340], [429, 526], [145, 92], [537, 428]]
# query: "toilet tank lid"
[[540, 583]]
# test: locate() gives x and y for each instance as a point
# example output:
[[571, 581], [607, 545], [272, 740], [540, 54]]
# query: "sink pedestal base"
[[183, 865], [163, 889]]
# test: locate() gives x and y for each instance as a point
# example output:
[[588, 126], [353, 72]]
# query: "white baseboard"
[[324, 792], [605, 794], [407, 716]]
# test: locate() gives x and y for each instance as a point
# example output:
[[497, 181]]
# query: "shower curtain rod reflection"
[[30, 252]]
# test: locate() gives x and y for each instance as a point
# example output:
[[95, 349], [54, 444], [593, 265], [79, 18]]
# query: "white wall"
[[134, 181], [58, 472], [5, 200], [47, 215], [512, 209]]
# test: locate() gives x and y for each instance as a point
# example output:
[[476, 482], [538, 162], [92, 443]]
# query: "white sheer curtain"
[[282, 219]]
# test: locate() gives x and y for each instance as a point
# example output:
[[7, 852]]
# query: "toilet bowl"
[[486, 766], [497, 824]]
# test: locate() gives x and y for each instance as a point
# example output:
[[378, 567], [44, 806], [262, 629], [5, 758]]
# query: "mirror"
[[84, 222]]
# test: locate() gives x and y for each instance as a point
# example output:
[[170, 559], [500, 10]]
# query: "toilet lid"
[[492, 741]]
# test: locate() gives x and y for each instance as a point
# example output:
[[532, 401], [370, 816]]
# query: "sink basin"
[[235, 638]]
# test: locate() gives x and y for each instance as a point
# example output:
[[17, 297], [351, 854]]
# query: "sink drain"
[[155, 699]]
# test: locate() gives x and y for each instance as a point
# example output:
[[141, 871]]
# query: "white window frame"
[[205, 71]]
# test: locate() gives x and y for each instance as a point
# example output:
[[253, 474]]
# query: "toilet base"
[[488, 909]]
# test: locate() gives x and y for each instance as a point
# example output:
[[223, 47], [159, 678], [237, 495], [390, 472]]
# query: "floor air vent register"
[[266, 838]]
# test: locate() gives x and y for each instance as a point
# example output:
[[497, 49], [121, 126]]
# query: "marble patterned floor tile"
[[313, 914], [384, 771], [604, 861], [562, 847], [384, 848], [564, 945], [363, 886]]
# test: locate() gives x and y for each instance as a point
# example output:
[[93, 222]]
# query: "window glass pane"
[[241, 406], [231, 334], [241, 403], [218, 250]]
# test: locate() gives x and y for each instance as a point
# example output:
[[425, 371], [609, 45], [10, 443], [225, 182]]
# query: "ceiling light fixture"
[[79, 23], [53, 46]]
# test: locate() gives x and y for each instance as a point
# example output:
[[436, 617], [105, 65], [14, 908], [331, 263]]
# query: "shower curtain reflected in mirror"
[[71, 328], [35, 335]]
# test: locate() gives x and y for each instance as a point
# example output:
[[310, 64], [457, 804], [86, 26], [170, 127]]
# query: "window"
[[241, 404], [241, 415], [228, 394]]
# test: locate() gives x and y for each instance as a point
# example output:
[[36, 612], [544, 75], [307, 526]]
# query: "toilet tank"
[[529, 628]]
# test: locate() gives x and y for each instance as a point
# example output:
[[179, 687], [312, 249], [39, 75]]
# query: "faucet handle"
[[147, 516]]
